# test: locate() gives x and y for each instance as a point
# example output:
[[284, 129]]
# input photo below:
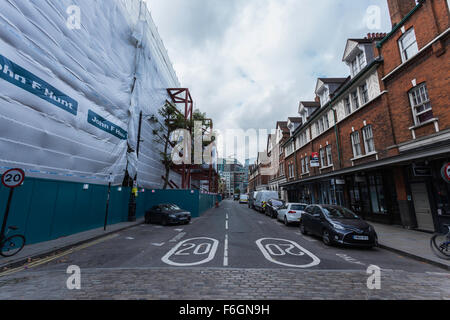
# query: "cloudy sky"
[[248, 63]]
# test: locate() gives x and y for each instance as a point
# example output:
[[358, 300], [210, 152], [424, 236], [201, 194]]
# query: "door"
[[422, 206], [316, 221]]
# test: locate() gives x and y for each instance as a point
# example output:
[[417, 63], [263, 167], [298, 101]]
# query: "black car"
[[236, 197], [166, 214], [337, 225], [272, 207]]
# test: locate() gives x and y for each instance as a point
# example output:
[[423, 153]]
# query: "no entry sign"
[[13, 178], [446, 172]]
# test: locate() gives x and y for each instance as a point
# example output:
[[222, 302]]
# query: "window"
[[356, 143], [355, 100], [364, 93], [368, 139], [329, 156], [358, 64], [320, 125], [377, 197], [322, 158], [408, 45], [303, 166], [326, 122], [347, 106], [307, 164], [420, 103]]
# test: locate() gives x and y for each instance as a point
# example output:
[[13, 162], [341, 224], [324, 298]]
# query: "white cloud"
[[249, 62]]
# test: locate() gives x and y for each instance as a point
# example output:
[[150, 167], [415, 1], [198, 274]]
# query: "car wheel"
[[326, 237], [164, 222], [303, 229], [286, 223]]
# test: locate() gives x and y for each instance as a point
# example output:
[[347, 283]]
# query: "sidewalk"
[[44, 248], [414, 244]]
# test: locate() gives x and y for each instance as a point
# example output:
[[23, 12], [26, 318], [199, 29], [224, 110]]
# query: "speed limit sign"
[[446, 172], [13, 178]]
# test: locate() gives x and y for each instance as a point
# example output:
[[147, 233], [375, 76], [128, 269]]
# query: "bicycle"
[[10, 246], [440, 244]]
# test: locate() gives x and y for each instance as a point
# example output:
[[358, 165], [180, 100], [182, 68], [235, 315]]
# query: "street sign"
[[13, 178], [315, 160], [446, 172]]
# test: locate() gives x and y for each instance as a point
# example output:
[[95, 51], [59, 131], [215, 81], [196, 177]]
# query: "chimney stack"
[[398, 9]]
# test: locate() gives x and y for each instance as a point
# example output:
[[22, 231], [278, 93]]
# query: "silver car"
[[291, 213]]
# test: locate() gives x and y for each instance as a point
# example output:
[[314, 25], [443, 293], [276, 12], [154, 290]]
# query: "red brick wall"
[[435, 72], [377, 115], [428, 22]]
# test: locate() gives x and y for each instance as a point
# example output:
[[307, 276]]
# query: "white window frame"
[[414, 95], [364, 88], [329, 155], [356, 144], [326, 123], [323, 159], [303, 166], [358, 103], [369, 142], [403, 49], [307, 164], [347, 107]]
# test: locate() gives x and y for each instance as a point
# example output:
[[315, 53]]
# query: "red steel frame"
[[183, 96]]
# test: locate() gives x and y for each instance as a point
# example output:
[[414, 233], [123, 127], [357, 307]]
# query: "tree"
[[172, 120]]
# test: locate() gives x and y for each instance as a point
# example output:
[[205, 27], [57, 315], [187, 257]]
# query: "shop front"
[[429, 193], [372, 196]]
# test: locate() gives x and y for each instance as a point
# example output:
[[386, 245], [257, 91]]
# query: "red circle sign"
[[13, 178], [446, 172]]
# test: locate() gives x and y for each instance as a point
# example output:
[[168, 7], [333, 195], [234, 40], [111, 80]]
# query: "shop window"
[[377, 196]]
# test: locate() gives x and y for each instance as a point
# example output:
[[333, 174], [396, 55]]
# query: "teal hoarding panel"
[[64, 217], [40, 214]]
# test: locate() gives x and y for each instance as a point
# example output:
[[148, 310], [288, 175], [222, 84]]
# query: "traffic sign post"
[[11, 179]]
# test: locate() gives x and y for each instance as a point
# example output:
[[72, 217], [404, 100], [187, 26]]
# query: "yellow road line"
[[62, 254]]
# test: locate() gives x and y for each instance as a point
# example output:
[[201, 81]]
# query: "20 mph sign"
[[446, 172], [13, 178]]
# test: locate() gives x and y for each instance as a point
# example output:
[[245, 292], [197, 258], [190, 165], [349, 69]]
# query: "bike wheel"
[[12, 245], [440, 245]]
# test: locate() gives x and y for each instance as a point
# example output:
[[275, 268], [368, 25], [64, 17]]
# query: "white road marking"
[[129, 238], [261, 222], [225, 253], [292, 244], [179, 230], [158, 244], [178, 237], [227, 216], [226, 225], [349, 259], [173, 252]]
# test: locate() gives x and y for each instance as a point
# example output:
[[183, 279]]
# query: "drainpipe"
[[336, 133]]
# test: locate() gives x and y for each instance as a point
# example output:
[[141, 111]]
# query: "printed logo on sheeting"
[[103, 124], [24, 79]]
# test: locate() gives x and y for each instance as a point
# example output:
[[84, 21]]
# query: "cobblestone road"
[[220, 257]]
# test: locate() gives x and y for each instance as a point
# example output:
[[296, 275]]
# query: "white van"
[[264, 196]]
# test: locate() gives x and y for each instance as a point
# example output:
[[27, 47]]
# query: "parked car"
[[166, 214], [236, 197], [251, 199], [262, 197], [243, 199], [272, 206], [291, 213], [337, 225]]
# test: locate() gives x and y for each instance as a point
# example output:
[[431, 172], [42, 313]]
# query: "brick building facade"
[[381, 135]]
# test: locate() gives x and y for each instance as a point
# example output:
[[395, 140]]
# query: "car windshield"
[[277, 203], [339, 213], [170, 207], [299, 207]]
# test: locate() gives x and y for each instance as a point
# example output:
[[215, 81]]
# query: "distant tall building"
[[234, 174]]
